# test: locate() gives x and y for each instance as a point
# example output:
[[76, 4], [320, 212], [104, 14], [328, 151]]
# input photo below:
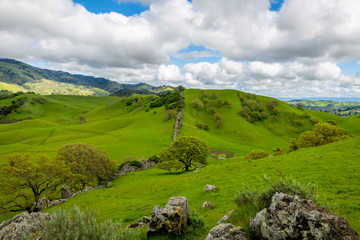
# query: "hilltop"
[[17, 76]]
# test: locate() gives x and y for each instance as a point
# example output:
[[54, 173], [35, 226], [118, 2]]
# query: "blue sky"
[[279, 48]]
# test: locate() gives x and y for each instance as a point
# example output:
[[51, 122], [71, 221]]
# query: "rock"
[[227, 231], [86, 189], [207, 205], [41, 204], [146, 164], [29, 223], [289, 217], [171, 219], [109, 184], [140, 223], [197, 170], [226, 217], [127, 168], [57, 202], [209, 188], [65, 192]]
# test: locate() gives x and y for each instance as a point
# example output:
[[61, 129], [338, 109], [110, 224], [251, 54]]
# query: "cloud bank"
[[290, 53]]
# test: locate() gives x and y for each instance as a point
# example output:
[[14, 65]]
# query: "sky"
[[278, 48]]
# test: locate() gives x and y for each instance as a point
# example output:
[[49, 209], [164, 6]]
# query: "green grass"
[[333, 167], [124, 131]]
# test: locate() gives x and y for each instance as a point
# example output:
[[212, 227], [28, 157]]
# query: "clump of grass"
[[76, 224], [262, 199]]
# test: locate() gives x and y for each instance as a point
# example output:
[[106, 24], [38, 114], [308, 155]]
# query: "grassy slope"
[[334, 168], [109, 125], [239, 135], [129, 131], [11, 87]]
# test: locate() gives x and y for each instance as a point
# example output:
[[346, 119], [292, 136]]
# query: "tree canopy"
[[25, 180], [90, 165], [185, 152]]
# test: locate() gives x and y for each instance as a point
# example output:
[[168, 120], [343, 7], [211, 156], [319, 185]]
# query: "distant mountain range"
[[340, 108], [18, 76]]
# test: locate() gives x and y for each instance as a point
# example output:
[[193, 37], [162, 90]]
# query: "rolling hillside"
[[125, 128], [17, 76]]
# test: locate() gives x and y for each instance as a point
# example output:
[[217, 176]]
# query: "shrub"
[[314, 121], [201, 126], [90, 165], [278, 151], [211, 110], [300, 106], [82, 119], [272, 104], [40, 100], [196, 225], [77, 224], [262, 199], [197, 104], [154, 159], [255, 154], [333, 122], [214, 96], [169, 114]]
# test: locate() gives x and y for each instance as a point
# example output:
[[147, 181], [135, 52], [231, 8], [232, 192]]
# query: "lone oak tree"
[[25, 180], [185, 150]]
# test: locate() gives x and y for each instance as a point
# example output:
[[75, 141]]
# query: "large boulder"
[[23, 223], [171, 219], [227, 232], [41, 204], [289, 217], [65, 192]]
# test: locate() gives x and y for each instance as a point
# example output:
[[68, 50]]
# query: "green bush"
[[197, 104], [262, 199], [202, 126], [154, 159], [323, 133], [83, 225], [255, 154]]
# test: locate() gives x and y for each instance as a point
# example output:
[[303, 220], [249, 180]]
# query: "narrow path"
[[50, 135]]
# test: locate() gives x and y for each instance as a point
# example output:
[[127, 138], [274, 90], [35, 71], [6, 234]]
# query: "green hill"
[[18, 76], [124, 128]]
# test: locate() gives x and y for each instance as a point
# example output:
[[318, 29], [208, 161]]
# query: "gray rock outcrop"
[[65, 192], [171, 219], [57, 202], [23, 223], [146, 164], [41, 204], [209, 188], [226, 217], [227, 231], [289, 217], [140, 223]]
